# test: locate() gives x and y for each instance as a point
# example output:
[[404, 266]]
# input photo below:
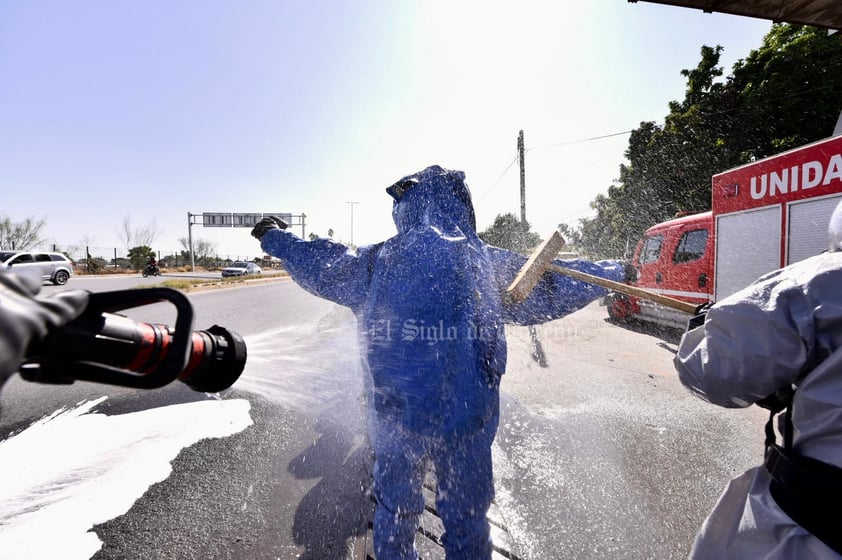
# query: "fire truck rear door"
[[807, 225], [748, 245]]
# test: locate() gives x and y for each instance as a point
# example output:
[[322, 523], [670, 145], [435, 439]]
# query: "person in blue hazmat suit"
[[778, 343], [431, 315]]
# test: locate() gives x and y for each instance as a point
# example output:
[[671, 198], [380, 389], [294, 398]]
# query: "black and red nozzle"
[[216, 361], [106, 347]]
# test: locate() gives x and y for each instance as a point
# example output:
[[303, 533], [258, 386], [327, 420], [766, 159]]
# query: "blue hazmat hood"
[[433, 198]]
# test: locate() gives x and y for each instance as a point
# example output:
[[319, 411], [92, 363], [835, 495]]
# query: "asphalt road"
[[602, 454]]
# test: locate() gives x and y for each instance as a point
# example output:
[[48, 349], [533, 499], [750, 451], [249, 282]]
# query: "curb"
[[243, 284]]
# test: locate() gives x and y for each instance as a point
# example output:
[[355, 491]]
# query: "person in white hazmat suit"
[[778, 343]]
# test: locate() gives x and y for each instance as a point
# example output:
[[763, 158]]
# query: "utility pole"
[[537, 349], [352, 220], [189, 241], [520, 153]]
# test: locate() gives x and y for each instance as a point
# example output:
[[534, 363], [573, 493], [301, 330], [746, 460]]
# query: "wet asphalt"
[[601, 454]]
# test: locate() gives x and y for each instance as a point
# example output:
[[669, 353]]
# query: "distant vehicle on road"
[[240, 268], [54, 267], [151, 270]]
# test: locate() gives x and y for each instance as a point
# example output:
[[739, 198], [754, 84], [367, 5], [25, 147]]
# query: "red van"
[[674, 259]]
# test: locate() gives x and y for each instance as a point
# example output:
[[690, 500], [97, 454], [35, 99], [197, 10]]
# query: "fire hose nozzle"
[[105, 347], [217, 363]]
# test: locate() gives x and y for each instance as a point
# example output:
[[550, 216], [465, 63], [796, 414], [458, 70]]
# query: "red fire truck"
[[765, 215]]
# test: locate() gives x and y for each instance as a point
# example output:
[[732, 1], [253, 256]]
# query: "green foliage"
[[507, 232], [139, 255], [20, 236], [783, 95], [789, 91]]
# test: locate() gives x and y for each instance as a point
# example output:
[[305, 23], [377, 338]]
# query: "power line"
[[713, 113], [491, 188], [582, 140], [515, 158], [624, 132]]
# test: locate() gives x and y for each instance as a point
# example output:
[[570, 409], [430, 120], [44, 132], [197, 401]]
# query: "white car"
[[240, 268], [53, 267]]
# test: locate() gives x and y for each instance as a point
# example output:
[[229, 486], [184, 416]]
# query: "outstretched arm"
[[555, 295], [750, 345], [323, 267]]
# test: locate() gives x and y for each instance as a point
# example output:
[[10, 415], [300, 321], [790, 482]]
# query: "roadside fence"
[[108, 260]]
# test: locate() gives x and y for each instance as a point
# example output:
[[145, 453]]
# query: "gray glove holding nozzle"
[[698, 319], [267, 224], [26, 317]]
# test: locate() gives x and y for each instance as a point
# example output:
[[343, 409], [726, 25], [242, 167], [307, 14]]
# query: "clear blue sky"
[[150, 110]]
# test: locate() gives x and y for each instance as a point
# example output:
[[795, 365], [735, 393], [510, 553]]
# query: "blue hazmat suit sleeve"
[[556, 295], [323, 267], [752, 343]]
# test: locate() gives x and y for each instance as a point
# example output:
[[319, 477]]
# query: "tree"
[[787, 92], [507, 232], [202, 249], [138, 256], [136, 237], [20, 236], [572, 237], [783, 95], [94, 264]]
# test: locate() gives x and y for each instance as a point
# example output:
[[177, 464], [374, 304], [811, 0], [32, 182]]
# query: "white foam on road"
[[75, 469]]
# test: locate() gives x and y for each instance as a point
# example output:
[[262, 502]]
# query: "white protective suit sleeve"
[[25, 316], [786, 328], [752, 343]]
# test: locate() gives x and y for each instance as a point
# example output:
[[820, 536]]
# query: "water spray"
[[106, 347]]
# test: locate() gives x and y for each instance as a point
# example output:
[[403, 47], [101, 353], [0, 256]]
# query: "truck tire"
[[618, 308]]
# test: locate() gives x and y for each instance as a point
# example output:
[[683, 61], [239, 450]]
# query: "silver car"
[[54, 267], [239, 268]]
